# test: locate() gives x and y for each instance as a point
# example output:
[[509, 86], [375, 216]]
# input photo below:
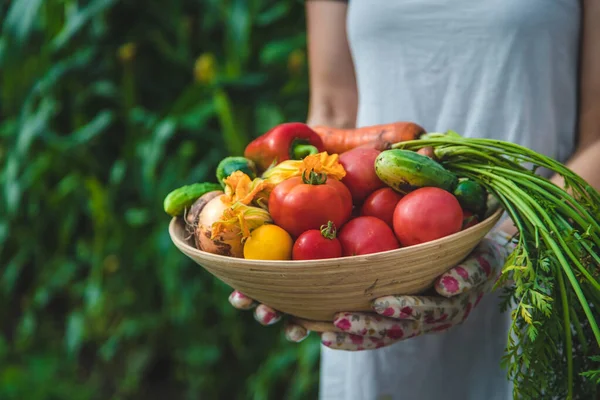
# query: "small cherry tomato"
[[427, 214], [268, 242], [381, 204], [365, 235], [317, 244], [360, 178], [301, 203]]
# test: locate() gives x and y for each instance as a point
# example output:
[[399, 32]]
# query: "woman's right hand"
[[266, 316]]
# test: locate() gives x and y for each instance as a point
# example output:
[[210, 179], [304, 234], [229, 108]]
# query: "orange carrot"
[[380, 137]]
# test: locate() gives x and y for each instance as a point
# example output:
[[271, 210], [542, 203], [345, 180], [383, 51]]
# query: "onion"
[[191, 217], [226, 243]]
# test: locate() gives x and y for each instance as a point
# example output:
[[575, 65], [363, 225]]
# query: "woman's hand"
[[397, 318]]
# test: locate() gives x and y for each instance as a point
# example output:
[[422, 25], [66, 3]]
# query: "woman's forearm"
[[333, 95]]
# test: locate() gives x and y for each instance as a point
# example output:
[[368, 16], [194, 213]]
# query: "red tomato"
[[427, 214], [317, 244], [381, 204], [299, 204], [360, 178], [469, 219], [365, 235]]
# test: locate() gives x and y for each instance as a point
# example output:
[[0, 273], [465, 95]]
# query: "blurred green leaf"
[[93, 298], [191, 101], [77, 20], [278, 51], [3, 233], [86, 133], [12, 270], [34, 124], [238, 33], [273, 13], [151, 151], [26, 329], [109, 348], [267, 116], [137, 216], [247, 81], [21, 19], [75, 332], [12, 187], [117, 172], [201, 355]]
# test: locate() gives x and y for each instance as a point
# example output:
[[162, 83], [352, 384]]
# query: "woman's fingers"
[[265, 315], [241, 301], [373, 325], [347, 341], [295, 333], [418, 308]]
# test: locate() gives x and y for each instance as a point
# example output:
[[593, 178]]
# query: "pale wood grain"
[[315, 290]]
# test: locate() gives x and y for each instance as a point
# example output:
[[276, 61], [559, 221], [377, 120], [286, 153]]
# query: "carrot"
[[380, 137]]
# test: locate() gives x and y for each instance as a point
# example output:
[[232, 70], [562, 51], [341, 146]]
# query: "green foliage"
[[106, 106]]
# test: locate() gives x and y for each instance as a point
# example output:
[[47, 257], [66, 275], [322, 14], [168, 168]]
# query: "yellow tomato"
[[268, 242]]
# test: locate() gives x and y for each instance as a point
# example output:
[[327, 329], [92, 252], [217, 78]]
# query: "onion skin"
[[193, 213], [225, 244]]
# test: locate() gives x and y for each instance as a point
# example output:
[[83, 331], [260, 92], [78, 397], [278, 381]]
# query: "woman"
[[522, 71]]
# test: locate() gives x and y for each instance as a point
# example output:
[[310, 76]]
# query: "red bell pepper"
[[288, 141]]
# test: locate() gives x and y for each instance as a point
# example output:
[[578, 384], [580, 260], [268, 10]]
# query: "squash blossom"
[[240, 188], [319, 163], [241, 218], [246, 202]]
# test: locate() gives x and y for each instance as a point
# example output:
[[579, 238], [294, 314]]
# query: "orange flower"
[[319, 163], [241, 218], [240, 188]]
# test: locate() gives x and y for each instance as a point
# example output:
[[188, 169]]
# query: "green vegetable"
[[181, 198], [229, 165], [405, 171], [554, 339], [471, 196]]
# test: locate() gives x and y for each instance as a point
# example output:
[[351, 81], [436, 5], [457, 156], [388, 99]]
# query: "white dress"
[[504, 69]]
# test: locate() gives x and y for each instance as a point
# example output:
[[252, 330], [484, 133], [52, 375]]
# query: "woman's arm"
[[333, 94], [586, 159]]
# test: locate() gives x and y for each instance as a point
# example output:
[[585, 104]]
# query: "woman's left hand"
[[397, 318]]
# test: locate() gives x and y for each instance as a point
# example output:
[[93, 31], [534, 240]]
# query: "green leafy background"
[[106, 106]]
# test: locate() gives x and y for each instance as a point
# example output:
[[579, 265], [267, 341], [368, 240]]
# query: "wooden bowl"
[[313, 291]]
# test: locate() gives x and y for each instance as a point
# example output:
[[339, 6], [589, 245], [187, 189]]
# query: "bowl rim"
[[192, 251]]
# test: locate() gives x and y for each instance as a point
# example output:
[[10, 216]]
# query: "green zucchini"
[[229, 165], [181, 198], [405, 171], [471, 196]]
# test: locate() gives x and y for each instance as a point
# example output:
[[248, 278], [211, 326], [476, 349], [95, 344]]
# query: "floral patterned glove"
[[402, 317]]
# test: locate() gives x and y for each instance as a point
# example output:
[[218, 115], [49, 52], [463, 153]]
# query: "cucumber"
[[181, 198], [405, 171], [229, 165], [471, 196]]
